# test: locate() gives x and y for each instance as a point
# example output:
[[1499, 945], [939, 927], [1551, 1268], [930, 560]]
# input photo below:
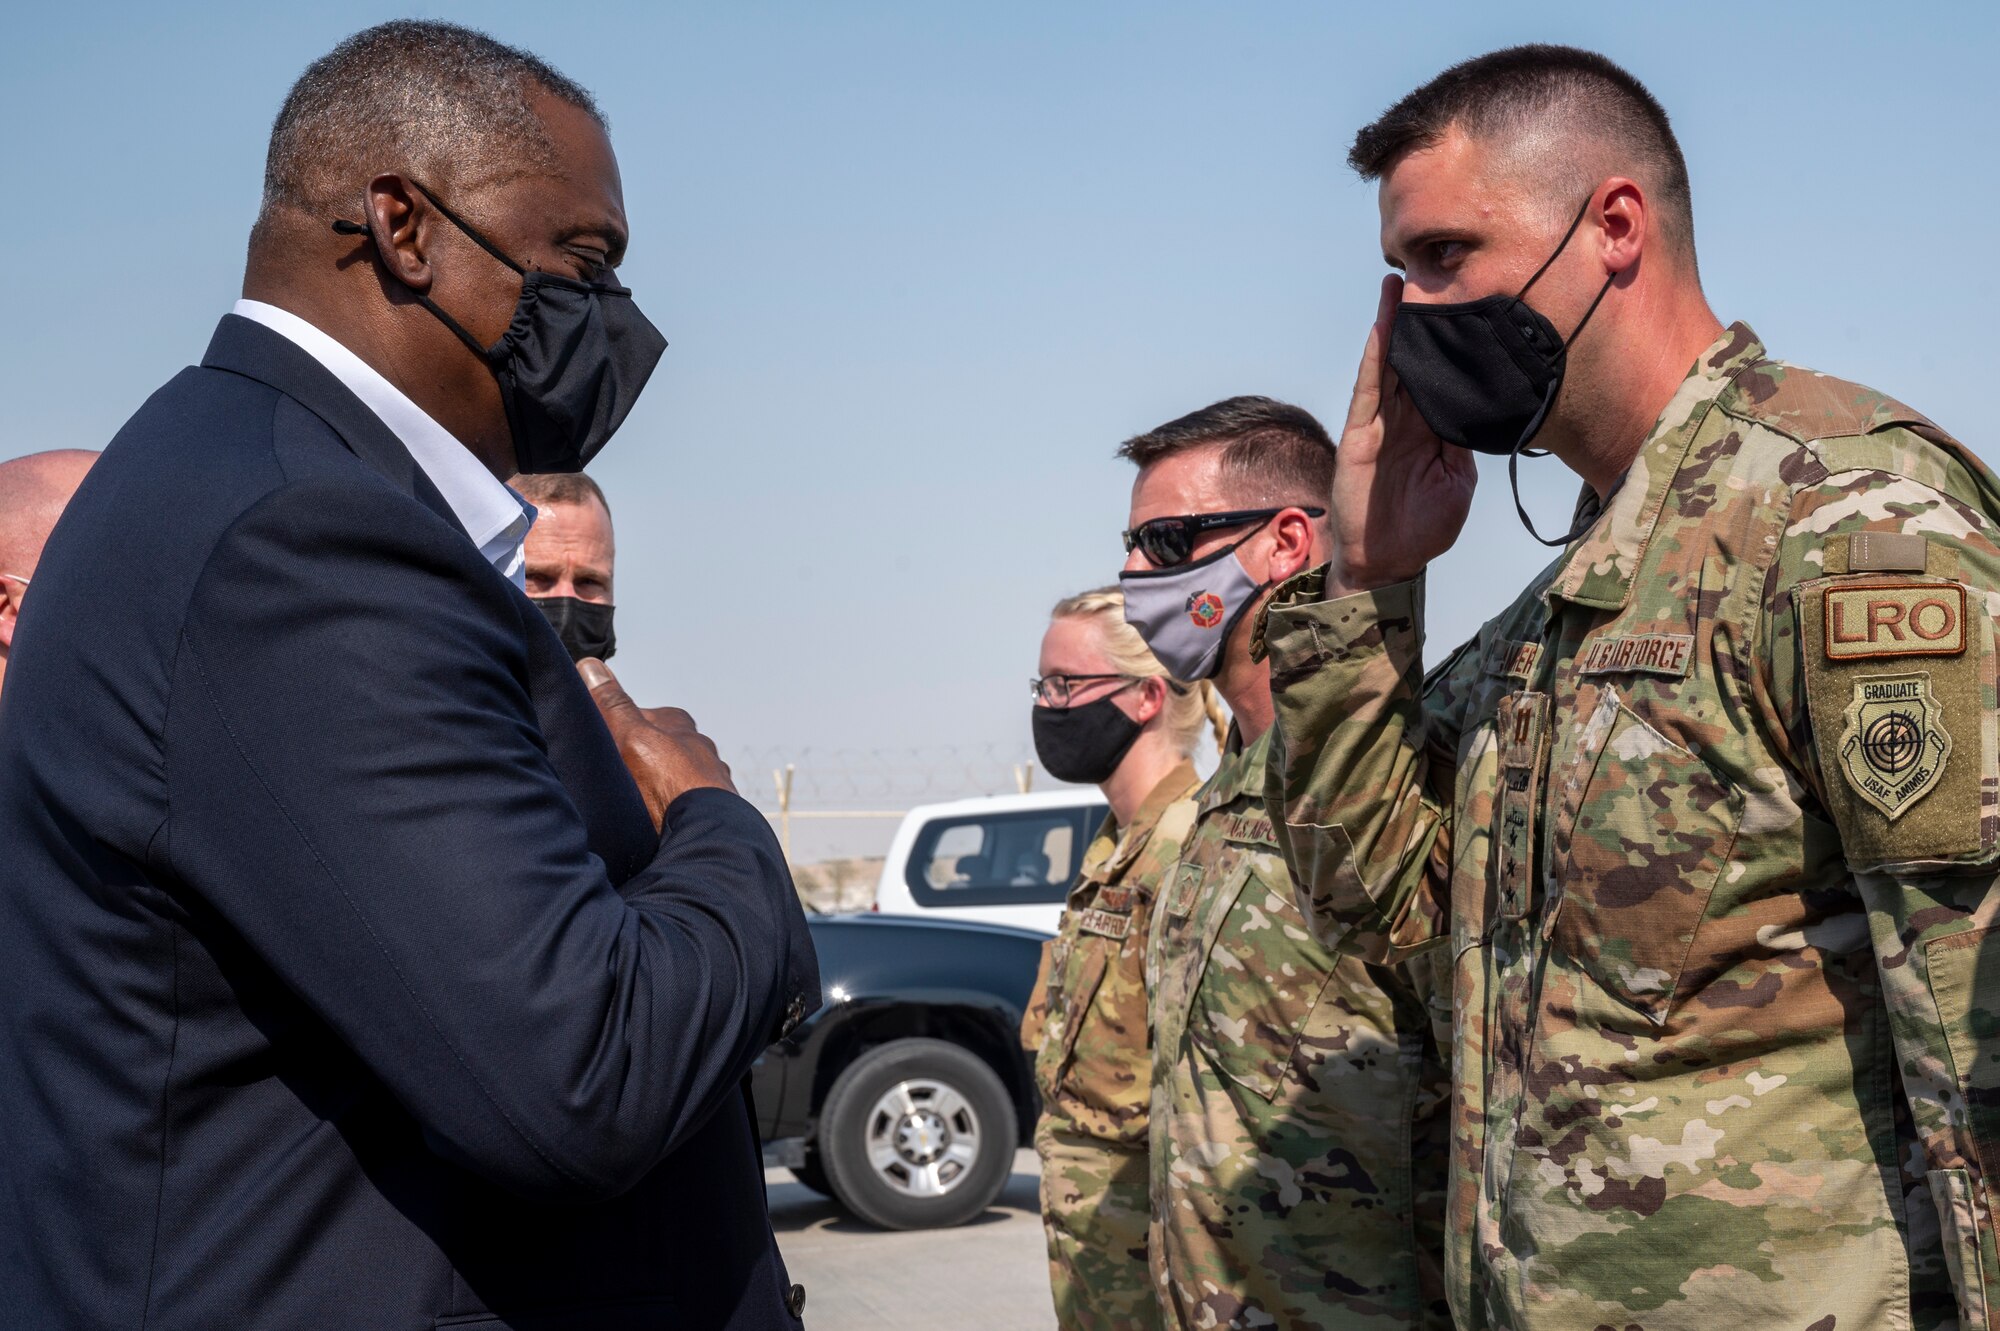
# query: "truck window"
[[1024, 858]]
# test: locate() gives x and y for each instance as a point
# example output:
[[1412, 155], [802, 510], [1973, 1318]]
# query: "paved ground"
[[989, 1275]]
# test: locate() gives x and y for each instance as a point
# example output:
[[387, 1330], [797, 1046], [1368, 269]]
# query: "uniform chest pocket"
[[1074, 978], [1261, 981], [1646, 840]]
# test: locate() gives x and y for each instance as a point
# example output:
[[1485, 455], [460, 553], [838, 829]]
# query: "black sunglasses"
[[1167, 542]]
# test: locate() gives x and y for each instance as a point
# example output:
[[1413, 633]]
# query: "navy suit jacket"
[[345, 981]]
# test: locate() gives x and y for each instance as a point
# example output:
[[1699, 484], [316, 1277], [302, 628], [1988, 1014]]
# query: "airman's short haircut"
[[439, 101], [559, 487], [1572, 116], [1271, 452]]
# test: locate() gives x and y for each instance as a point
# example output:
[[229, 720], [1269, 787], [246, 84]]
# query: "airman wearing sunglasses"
[[1297, 1127]]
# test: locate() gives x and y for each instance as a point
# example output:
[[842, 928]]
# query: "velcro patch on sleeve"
[[1873, 620], [1647, 653], [1899, 746], [1886, 552]]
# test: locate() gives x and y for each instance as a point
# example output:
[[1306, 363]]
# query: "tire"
[[813, 1175], [917, 1134]]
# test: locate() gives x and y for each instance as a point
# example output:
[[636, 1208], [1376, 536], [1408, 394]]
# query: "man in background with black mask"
[[1298, 1101], [1706, 819], [570, 559], [350, 976]]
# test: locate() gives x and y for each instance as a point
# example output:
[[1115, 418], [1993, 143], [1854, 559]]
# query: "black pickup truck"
[[906, 1095]]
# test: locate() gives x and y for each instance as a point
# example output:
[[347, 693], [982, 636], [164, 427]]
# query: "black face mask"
[[1484, 373], [583, 626], [1084, 743], [570, 365]]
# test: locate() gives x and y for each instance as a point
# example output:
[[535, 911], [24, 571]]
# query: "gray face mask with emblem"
[[1186, 613]]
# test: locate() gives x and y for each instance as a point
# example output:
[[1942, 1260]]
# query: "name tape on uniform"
[[1517, 659], [1894, 619], [1650, 653], [1105, 923]]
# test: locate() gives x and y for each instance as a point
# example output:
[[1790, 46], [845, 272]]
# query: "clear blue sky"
[[923, 266]]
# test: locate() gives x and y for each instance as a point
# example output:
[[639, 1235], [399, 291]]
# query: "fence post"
[[1024, 776], [783, 781]]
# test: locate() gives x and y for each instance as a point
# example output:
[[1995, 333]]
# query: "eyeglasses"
[[1167, 542], [15, 577], [1057, 690]]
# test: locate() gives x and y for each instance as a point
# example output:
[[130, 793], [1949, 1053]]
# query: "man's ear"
[[1291, 544], [402, 222], [1623, 218], [10, 610]]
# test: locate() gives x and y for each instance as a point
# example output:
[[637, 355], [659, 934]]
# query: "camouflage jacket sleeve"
[[1362, 755], [1035, 1017], [1879, 658]]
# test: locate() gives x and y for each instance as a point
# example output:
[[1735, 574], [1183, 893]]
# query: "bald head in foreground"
[[34, 490], [361, 967]]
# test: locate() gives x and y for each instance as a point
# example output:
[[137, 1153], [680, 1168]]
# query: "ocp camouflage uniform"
[[1707, 820], [1093, 1065], [1298, 1117]]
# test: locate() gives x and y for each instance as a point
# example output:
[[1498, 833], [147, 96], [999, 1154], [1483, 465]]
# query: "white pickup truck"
[[1001, 859]]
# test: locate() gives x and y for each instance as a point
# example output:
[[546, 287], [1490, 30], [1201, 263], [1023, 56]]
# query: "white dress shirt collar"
[[494, 516]]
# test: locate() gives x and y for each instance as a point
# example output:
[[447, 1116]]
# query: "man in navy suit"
[[360, 967]]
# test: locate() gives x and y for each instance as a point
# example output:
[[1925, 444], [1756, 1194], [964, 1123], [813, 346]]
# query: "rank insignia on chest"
[[1894, 746], [1186, 883]]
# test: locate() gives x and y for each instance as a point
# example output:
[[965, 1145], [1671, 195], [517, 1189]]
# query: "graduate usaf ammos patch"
[[1894, 746]]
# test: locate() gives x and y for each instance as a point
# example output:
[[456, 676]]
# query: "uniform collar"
[[1597, 571], [1241, 773], [1119, 850]]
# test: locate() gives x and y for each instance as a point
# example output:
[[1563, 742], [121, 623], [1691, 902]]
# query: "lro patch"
[[1894, 746], [1894, 619]]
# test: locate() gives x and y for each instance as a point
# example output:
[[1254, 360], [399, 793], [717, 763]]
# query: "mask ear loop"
[[343, 227], [1548, 401]]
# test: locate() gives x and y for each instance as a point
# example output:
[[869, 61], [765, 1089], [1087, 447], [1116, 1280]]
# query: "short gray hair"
[[433, 99]]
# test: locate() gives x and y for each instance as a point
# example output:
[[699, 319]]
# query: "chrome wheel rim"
[[923, 1137]]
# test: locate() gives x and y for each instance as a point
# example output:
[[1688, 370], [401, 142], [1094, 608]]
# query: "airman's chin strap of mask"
[[1588, 517]]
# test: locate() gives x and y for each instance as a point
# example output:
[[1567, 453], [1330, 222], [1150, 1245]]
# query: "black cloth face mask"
[[584, 626], [1085, 743], [571, 363], [1484, 373]]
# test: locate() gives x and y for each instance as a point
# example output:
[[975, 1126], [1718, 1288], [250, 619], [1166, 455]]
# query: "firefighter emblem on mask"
[[1205, 609], [1895, 746]]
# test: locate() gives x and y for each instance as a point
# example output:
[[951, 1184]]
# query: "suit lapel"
[[246, 347]]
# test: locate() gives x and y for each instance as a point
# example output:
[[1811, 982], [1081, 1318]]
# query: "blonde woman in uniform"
[[1107, 715]]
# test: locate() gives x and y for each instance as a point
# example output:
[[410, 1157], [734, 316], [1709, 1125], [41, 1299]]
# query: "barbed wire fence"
[[850, 800]]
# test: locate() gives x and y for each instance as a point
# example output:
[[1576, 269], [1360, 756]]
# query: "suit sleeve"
[[359, 786], [1882, 684], [1359, 783]]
